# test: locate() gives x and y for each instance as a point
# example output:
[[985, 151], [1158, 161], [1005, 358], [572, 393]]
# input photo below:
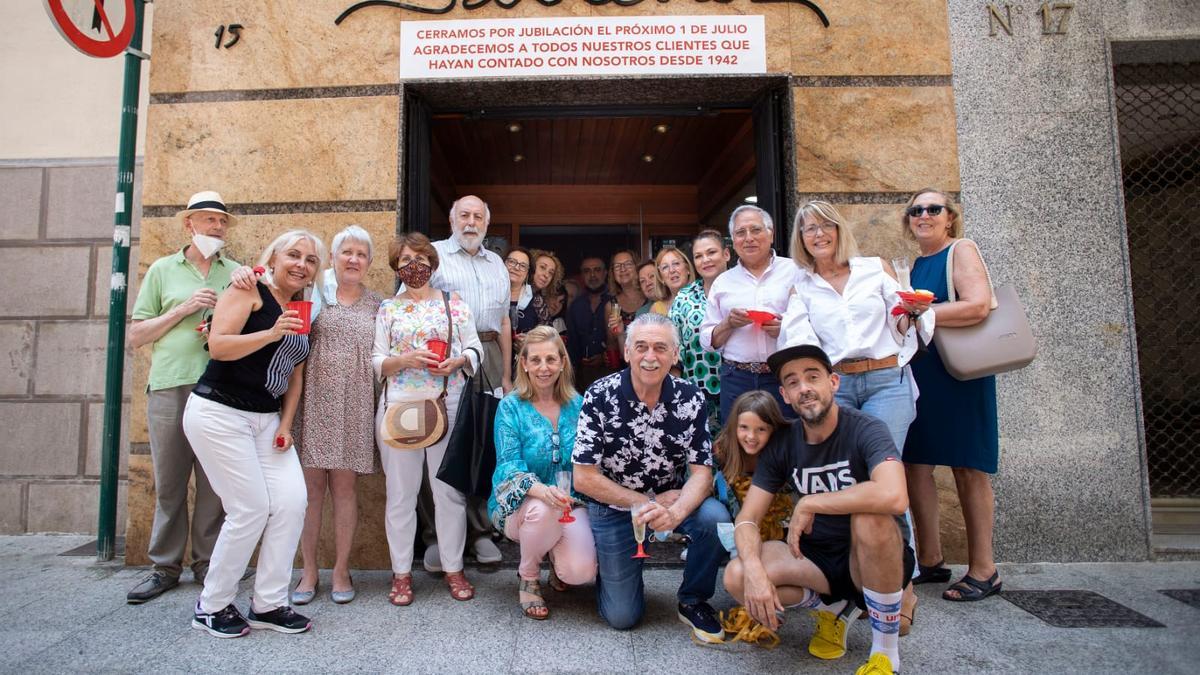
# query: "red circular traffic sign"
[[114, 39]]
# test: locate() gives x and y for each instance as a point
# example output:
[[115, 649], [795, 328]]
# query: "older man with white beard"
[[481, 280], [642, 445]]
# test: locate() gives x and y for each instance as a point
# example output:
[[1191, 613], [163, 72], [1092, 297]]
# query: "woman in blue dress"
[[535, 433], [956, 422]]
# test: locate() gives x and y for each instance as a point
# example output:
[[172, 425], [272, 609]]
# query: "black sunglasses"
[[932, 209]]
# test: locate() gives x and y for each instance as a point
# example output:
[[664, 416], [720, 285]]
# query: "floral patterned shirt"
[[402, 325], [700, 367], [639, 448]]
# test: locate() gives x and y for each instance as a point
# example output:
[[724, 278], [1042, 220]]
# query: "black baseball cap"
[[786, 355]]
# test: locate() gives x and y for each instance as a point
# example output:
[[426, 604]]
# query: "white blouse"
[[854, 324]]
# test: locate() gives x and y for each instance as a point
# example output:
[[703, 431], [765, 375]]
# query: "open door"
[[418, 153], [769, 134]]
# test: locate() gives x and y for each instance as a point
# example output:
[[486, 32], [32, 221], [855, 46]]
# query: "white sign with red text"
[[661, 45]]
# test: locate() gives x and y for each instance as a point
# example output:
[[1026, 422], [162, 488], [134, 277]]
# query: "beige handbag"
[[1002, 342], [416, 424]]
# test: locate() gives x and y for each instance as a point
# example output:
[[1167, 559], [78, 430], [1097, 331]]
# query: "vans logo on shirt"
[[828, 478]]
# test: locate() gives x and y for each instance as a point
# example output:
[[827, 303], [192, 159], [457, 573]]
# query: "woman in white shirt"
[[843, 303]]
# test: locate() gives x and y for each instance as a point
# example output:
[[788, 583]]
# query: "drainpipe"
[[115, 367]]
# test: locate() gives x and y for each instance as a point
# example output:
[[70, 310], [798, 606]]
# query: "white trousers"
[[403, 471], [263, 493]]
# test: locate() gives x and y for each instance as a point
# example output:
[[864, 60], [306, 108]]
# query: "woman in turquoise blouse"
[[535, 433]]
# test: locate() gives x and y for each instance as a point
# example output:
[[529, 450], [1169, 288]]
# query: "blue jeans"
[[885, 394], [736, 382], [620, 594]]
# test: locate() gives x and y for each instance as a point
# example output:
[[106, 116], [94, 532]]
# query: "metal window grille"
[[1158, 115]]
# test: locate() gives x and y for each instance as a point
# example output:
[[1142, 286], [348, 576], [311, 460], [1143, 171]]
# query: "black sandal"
[[936, 573], [970, 589]]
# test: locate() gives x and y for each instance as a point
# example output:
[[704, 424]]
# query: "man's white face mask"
[[206, 245]]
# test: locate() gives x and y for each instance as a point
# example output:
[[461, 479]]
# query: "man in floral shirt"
[[642, 440]]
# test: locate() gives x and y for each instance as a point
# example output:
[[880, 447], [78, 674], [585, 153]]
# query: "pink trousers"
[[572, 552]]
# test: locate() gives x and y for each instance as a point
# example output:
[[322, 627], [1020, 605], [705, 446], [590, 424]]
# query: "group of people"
[[781, 414]]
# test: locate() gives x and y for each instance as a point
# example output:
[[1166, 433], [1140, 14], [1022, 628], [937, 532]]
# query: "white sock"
[[884, 609], [812, 600]]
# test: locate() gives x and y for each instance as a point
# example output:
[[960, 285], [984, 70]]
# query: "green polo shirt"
[[177, 358]]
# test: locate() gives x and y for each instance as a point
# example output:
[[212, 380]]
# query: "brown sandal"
[[460, 588], [531, 607], [555, 583], [401, 594], [908, 611]]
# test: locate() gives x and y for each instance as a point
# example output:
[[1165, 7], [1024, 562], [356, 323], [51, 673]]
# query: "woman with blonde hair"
[[238, 420], [675, 272], [535, 433], [956, 423], [650, 285]]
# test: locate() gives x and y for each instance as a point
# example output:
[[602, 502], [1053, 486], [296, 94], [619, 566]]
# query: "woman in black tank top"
[[239, 423]]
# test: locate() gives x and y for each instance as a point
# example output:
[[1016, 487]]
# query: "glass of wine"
[[902, 273], [562, 479], [639, 529]]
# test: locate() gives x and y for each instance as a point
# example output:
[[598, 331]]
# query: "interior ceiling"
[[659, 150]]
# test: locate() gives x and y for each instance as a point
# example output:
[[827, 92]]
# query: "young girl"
[[753, 420]]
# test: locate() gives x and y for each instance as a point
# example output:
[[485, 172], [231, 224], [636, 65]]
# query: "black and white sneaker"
[[282, 619], [227, 623], [703, 620]]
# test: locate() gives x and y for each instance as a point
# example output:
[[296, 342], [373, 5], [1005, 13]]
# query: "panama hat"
[[205, 201]]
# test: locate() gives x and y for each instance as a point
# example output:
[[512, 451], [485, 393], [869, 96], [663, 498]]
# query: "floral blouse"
[[402, 325], [526, 452], [701, 368]]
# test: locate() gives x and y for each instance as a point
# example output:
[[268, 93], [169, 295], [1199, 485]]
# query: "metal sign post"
[[125, 37]]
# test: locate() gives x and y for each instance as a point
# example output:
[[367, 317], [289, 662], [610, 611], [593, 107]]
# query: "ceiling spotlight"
[[647, 158], [662, 128], [751, 199], [514, 127], [518, 157]]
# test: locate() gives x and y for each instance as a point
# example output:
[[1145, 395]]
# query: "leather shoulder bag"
[[419, 423]]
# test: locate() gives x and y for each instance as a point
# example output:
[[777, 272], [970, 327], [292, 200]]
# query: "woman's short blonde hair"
[[565, 389], [847, 246], [956, 221], [289, 239], [687, 264]]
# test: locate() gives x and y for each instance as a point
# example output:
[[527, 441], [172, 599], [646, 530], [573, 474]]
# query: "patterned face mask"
[[415, 274]]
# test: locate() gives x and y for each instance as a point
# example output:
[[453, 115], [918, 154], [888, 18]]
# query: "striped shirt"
[[481, 280]]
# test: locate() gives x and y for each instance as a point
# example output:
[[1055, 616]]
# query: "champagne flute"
[[902, 273], [562, 479], [639, 529]]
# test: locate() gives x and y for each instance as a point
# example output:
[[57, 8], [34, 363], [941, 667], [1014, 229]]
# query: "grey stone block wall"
[[55, 265], [1042, 194]]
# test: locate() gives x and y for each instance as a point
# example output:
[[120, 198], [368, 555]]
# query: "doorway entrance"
[[589, 167]]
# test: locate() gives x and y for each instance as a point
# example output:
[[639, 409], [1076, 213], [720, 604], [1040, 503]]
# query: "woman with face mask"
[[402, 356]]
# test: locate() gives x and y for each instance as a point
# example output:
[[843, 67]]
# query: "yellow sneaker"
[[878, 664], [829, 640]]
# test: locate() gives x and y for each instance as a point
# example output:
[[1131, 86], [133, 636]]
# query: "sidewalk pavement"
[[68, 614]]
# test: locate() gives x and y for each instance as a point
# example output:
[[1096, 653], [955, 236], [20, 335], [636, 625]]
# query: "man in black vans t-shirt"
[[845, 543]]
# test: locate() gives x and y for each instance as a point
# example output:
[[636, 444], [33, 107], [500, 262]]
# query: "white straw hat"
[[206, 201]]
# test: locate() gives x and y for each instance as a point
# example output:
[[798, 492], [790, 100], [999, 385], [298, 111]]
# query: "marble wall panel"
[[874, 139], [283, 45], [909, 37], [306, 150]]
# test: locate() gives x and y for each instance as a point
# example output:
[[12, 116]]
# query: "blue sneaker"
[[703, 620], [281, 619]]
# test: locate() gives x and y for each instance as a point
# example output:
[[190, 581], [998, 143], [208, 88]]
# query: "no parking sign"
[[99, 28]]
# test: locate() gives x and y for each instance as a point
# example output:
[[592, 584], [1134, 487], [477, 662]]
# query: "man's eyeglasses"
[[810, 230], [749, 232], [514, 264], [916, 210]]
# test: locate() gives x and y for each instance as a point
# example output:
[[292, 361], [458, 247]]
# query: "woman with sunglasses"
[[956, 423], [535, 432], [843, 303]]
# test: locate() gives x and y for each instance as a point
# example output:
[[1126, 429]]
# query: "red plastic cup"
[[439, 347], [760, 317], [304, 307]]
